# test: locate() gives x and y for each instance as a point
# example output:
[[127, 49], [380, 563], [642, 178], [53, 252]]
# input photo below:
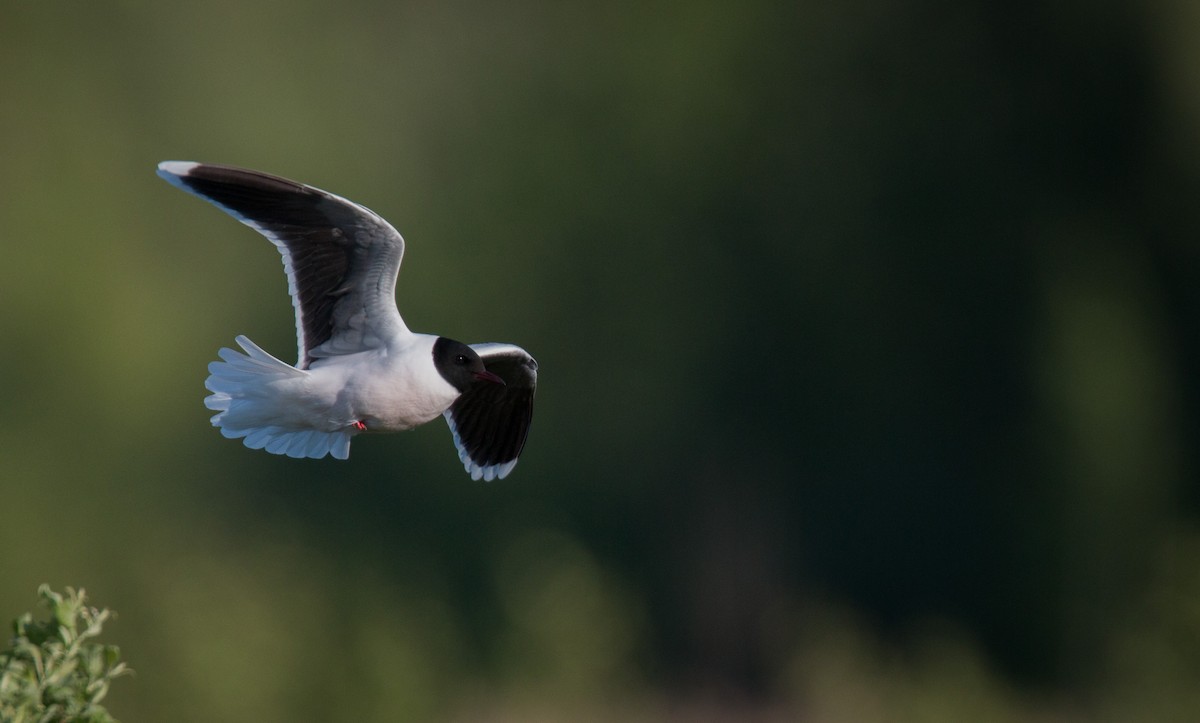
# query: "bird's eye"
[[460, 359]]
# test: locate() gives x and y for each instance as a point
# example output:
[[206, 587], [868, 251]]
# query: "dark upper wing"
[[341, 259], [490, 422]]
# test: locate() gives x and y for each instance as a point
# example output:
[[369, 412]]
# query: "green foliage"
[[53, 671]]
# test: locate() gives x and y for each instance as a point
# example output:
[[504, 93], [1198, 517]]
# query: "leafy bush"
[[53, 672]]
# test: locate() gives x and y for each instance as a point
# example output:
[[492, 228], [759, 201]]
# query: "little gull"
[[360, 369]]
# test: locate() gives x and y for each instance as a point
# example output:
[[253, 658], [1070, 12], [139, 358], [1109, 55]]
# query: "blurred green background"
[[867, 336]]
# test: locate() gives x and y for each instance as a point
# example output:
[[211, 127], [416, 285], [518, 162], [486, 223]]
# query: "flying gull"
[[360, 369]]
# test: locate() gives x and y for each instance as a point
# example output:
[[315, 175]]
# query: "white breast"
[[390, 389]]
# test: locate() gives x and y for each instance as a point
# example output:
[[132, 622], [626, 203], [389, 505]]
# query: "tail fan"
[[247, 403]]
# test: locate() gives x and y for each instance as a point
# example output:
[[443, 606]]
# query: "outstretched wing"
[[490, 422], [341, 259]]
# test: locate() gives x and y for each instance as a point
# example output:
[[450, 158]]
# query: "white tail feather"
[[246, 396]]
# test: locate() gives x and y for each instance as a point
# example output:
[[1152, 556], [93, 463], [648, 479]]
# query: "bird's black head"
[[460, 365]]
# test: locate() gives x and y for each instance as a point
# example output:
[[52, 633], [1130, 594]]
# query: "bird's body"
[[384, 390], [360, 368]]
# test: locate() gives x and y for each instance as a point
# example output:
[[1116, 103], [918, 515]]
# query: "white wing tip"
[[491, 471], [176, 168]]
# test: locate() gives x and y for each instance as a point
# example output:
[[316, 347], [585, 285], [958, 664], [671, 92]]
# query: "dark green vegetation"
[[868, 341]]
